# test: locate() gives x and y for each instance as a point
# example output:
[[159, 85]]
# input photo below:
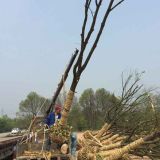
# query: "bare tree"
[[82, 62], [133, 94]]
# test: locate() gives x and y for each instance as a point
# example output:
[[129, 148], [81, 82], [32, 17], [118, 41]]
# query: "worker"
[[54, 116], [50, 121], [73, 145]]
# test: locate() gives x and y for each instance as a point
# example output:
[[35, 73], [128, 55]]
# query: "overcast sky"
[[37, 39]]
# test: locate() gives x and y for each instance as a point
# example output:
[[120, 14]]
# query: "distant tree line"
[[90, 111], [135, 111]]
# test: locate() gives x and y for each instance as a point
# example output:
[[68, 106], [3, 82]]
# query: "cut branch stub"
[[111, 146], [103, 130], [88, 136], [103, 138], [109, 141]]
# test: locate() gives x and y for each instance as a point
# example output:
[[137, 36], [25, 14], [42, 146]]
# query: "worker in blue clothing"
[[54, 116], [50, 121]]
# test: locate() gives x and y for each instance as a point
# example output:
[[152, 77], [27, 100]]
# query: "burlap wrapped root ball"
[[60, 134]]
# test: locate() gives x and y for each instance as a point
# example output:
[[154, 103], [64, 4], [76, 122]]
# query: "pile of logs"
[[150, 149], [104, 145]]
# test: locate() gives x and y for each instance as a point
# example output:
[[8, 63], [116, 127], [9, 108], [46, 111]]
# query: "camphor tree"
[[86, 36], [94, 146], [86, 50]]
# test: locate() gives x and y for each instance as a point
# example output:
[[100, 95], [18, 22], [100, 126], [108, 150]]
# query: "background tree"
[[94, 106], [33, 104], [87, 102], [77, 119], [104, 102], [6, 124]]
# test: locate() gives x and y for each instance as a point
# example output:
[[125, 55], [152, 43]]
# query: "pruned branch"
[[131, 97], [92, 13], [79, 67], [135, 129], [96, 2], [99, 33], [152, 136], [61, 83], [85, 40], [116, 5], [87, 5]]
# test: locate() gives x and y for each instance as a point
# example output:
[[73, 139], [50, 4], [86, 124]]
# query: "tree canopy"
[[33, 104]]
